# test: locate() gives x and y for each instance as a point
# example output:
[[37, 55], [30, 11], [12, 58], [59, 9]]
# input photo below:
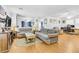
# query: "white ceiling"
[[42, 10]]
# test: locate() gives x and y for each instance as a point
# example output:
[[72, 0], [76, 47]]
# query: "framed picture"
[[50, 20], [59, 21], [36, 20], [63, 21]]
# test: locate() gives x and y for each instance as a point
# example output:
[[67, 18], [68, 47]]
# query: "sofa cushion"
[[25, 29], [50, 31], [44, 31]]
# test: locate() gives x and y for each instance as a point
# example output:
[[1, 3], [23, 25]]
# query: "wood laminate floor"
[[66, 43]]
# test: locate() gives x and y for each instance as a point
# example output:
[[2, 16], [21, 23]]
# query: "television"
[[8, 22], [72, 26]]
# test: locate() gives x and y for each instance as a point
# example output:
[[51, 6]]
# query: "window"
[[23, 24]]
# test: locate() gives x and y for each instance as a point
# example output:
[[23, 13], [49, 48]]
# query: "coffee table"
[[30, 37]]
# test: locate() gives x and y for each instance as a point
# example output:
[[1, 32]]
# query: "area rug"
[[22, 42]]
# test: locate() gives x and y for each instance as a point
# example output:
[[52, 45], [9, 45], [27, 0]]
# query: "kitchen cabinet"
[[4, 43]]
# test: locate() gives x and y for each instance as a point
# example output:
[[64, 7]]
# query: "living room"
[[39, 29]]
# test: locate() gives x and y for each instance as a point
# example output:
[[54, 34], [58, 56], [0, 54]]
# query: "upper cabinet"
[[2, 13]]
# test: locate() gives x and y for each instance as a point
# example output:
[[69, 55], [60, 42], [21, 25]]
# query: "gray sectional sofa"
[[48, 35], [21, 32]]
